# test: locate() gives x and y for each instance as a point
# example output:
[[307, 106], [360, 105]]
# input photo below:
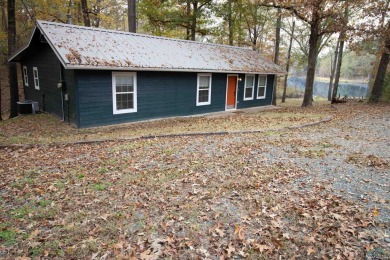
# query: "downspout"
[[60, 85], [273, 87]]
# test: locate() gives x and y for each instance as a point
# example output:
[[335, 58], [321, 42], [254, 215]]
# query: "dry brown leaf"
[[34, 234], [375, 211], [310, 250], [261, 247], [230, 250], [239, 231], [219, 232]]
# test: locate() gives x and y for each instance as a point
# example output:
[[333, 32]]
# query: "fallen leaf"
[[219, 232], [375, 212], [34, 234], [239, 229], [262, 247], [310, 250], [230, 250]]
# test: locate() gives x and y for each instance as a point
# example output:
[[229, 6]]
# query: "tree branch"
[[290, 8]]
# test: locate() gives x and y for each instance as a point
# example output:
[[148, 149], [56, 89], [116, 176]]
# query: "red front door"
[[231, 92]]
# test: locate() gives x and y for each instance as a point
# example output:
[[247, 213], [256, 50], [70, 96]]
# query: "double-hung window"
[[124, 92], [203, 94], [25, 76], [262, 82], [249, 87], [36, 77]]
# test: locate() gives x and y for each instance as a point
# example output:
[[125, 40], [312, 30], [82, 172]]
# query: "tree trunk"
[[132, 16], [188, 29], [333, 69], [0, 97], [378, 51], [12, 73], [276, 57], [193, 20], [311, 66], [84, 7], [288, 63], [338, 68], [3, 16], [3, 29], [230, 22], [377, 89], [97, 10], [240, 40]]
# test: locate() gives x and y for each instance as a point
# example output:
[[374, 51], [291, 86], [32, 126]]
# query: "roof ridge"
[[140, 35]]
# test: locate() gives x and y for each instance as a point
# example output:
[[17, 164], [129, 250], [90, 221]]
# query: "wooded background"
[[327, 38]]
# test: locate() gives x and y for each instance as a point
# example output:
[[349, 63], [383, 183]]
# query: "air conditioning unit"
[[27, 107]]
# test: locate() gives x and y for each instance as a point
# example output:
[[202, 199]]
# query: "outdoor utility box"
[[27, 107], [24, 107], [35, 107]]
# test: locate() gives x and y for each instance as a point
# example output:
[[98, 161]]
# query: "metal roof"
[[80, 47]]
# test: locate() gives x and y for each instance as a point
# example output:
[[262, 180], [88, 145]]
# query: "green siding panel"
[[255, 102], [159, 94], [49, 96]]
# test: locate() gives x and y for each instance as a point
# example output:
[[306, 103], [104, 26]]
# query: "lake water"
[[321, 88]]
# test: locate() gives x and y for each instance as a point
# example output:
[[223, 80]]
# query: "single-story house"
[[92, 77]]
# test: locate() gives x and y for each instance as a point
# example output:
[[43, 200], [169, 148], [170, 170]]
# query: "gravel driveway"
[[352, 155]]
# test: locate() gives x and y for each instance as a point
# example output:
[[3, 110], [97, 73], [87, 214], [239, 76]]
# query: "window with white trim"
[[203, 93], [25, 76], [36, 77], [249, 87], [261, 86], [124, 92]]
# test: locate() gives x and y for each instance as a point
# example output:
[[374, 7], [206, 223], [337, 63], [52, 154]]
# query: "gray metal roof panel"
[[81, 47]]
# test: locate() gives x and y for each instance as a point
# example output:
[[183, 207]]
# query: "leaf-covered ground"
[[314, 192], [46, 129]]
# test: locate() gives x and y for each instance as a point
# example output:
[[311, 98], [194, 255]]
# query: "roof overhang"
[[16, 56], [81, 67], [37, 29]]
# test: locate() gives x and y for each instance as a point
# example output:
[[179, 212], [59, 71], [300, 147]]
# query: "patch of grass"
[[326, 145], [36, 251], [99, 186], [21, 212], [310, 152], [44, 210], [7, 234], [60, 184], [44, 203], [102, 170], [54, 249], [168, 152]]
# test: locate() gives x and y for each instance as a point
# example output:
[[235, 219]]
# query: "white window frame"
[[36, 77], [208, 102], [253, 86], [129, 110], [263, 86], [25, 76]]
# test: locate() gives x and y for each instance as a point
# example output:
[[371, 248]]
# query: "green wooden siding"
[[255, 102], [159, 94], [48, 95]]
